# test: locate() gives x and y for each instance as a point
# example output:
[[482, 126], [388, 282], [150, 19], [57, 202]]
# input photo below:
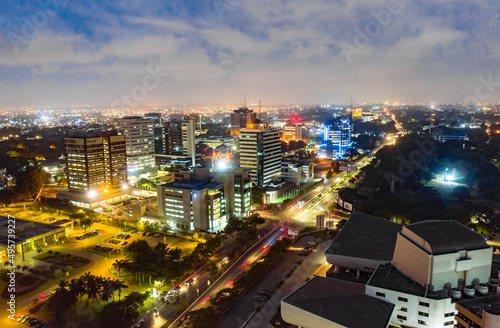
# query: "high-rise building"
[[188, 139], [196, 118], [203, 200], [337, 138], [240, 118], [260, 152], [159, 132], [140, 146], [96, 168]]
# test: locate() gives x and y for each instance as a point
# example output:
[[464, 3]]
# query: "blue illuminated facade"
[[336, 138]]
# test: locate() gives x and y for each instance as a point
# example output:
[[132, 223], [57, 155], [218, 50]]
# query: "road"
[[270, 233]]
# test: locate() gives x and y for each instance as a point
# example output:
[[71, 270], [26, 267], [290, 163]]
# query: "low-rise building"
[[202, 200], [297, 171], [425, 270], [29, 235]]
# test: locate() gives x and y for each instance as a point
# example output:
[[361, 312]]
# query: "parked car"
[[312, 243], [259, 298], [265, 291], [124, 243]]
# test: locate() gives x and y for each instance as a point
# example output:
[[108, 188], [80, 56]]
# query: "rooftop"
[[192, 185], [447, 236], [490, 304], [366, 236], [25, 229], [342, 302]]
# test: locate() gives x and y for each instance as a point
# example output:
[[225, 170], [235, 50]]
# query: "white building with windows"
[[423, 269], [260, 152], [140, 146]]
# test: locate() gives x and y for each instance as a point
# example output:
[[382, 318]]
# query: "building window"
[[380, 294], [401, 317], [448, 323], [423, 304], [423, 314], [402, 299], [422, 322], [402, 309], [449, 314]]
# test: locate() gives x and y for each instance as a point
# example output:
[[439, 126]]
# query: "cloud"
[[283, 51]]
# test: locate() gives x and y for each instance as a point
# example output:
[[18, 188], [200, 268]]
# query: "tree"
[[329, 174], [213, 270], [30, 181], [258, 195], [202, 318]]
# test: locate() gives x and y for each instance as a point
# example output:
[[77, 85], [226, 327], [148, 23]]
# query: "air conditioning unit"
[[455, 293]]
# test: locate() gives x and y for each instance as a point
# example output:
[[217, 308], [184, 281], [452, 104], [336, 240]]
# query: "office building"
[[201, 200], [140, 146], [336, 137], [3, 178], [478, 313], [294, 131], [158, 131], [196, 118], [425, 270], [260, 152], [188, 140], [297, 171], [96, 169], [240, 118]]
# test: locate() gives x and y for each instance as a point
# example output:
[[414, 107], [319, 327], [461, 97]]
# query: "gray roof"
[[447, 236], [342, 302], [366, 236]]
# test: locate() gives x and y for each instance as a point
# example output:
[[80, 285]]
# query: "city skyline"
[[129, 55]]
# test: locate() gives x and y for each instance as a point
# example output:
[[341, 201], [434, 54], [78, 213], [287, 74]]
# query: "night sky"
[[294, 51]]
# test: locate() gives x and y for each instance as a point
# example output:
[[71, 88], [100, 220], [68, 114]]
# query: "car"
[[25, 319], [22, 318], [157, 234], [156, 312], [149, 233], [312, 243], [195, 277], [303, 253], [134, 231], [308, 248], [177, 289], [124, 243], [265, 291], [34, 322], [145, 234], [78, 237], [259, 298]]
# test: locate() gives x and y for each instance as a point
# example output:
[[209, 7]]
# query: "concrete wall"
[[436, 308], [353, 263], [301, 318]]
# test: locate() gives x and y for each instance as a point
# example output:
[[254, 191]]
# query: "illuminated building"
[[337, 138], [240, 118], [96, 169], [196, 118], [431, 272], [294, 130], [201, 200], [260, 152], [158, 131], [140, 145], [180, 138]]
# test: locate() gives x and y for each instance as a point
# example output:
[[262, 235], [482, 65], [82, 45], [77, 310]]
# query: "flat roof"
[[447, 236], [342, 302], [23, 235], [192, 185], [490, 304], [366, 236]]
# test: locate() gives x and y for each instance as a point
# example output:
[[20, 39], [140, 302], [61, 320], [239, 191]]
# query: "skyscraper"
[[139, 141], [337, 137], [96, 168], [159, 132], [197, 121], [188, 139], [240, 118], [260, 152]]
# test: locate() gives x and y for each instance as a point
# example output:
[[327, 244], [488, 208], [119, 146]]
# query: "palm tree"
[[38, 251], [25, 268], [119, 285]]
